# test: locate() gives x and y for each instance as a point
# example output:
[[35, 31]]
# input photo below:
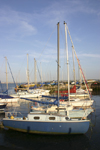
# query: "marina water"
[[10, 139]]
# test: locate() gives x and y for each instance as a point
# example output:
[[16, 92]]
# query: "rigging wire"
[[39, 73], [47, 42], [11, 73], [45, 46]]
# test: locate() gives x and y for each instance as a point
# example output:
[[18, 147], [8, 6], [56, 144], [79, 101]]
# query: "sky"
[[30, 27]]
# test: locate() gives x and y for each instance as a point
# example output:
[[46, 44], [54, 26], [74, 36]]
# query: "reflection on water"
[[20, 140], [96, 92]]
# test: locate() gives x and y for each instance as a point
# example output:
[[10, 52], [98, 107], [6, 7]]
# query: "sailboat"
[[74, 99], [75, 102], [27, 94], [66, 107], [5, 98], [46, 123], [38, 90]]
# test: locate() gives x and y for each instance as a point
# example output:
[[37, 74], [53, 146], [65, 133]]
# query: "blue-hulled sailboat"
[[47, 123]]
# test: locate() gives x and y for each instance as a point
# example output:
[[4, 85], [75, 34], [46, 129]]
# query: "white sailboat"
[[5, 98], [28, 93], [74, 101], [67, 106], [46, 123]]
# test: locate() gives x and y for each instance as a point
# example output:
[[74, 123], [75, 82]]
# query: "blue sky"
[[30, 26]]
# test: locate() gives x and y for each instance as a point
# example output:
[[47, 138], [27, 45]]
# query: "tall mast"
[[67, 62], [58, 59], [73, 65], [27, 72], [6, 74], [41, 73], [35, 79], [80, 81]]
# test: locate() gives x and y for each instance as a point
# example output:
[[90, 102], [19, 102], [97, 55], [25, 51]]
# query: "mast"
[[73, 65], [80, 77], [27, 72], [41, 73], [6, 74], [58, 59], [87, 88], [67, 63], [35, 79]]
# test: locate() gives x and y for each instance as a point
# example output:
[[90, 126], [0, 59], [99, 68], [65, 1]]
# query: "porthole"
[[67, 118], [51, 118], [36, 118]]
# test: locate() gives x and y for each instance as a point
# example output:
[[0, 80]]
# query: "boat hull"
[[2, 107], [76, 95], [80, 103], [9, 100], [26, 95], [45, 127]]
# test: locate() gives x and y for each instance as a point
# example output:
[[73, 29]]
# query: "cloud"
[[21, 24], [59, 11], [16, 23], [77, 39], [27, 26]]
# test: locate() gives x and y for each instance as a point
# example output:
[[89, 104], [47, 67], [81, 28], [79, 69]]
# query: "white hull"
[[29, 95], [77, 95], [25, 95], [9, 100], [39, 91], [80, 103]]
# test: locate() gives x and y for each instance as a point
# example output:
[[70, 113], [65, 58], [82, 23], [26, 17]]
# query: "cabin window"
[[36, 118], [51, 118], [67, 118]]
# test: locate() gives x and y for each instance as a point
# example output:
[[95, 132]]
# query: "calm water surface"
[[22, 141]]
